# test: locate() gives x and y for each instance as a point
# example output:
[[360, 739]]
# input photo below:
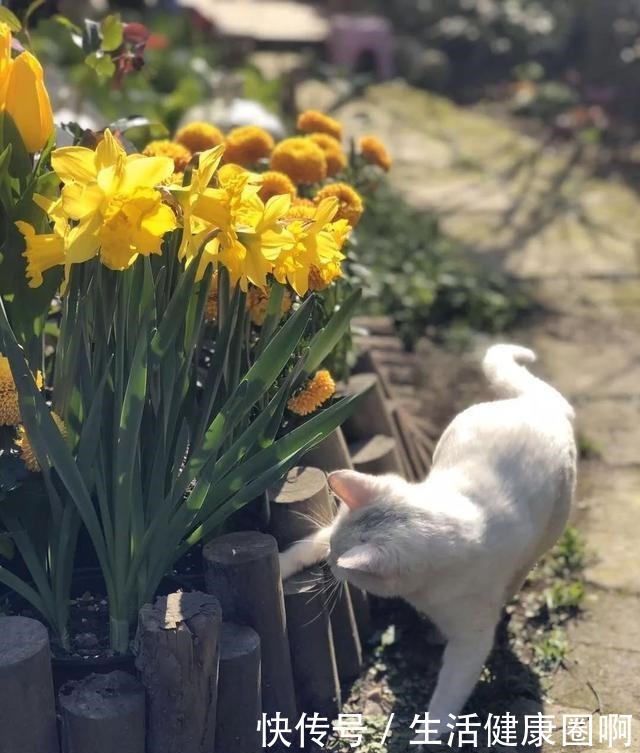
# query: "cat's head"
[[372, 543]]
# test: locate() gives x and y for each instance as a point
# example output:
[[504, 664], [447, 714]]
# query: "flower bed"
[[200, 314]]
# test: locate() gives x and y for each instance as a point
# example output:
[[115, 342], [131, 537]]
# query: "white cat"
[[460, 544]]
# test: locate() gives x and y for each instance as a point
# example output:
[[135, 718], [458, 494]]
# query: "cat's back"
[[513, 426]]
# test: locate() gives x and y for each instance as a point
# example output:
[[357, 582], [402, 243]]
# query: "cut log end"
[[240, 547]]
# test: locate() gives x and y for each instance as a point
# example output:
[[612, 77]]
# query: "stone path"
[[534, 210]]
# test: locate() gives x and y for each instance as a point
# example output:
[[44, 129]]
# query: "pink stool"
[[362, 43]]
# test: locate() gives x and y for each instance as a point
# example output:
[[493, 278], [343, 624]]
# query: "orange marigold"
[[257, 302], [198, 137], [335, 156], [27, 452], [314, 121], [316, 392], [247, 145], [299, 158], [374, 151], [276, 184], [9, 403], [301, 209], [180, 155], [351, 206]]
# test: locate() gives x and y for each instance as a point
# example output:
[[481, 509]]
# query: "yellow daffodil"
[[317, 246], [23, 94], [195, 228], [112, 197], [250, 233]]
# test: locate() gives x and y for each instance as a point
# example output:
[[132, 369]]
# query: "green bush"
[[421, 278]]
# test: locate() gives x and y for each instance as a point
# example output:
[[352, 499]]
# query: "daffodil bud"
[[27, 102]]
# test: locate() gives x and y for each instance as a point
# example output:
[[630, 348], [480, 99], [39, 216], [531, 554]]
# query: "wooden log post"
[[177, 649], [239, 694], [377, 455], [300, 504], [346, 638], [243, 572], [103, 714], [311, 641], [372, 417], [332, 454], [418, 447], [367, 363], [27, 705]]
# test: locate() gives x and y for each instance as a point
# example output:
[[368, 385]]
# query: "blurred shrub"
[[486, 37], [421, 278]]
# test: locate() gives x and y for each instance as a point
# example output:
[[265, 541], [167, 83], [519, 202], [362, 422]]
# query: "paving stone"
[[606, 622], [611, 672], [611, 525]]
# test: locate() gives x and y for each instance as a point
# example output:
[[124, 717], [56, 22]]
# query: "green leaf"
[[7, 548], [48, 442], [9, 18], [102, 64], [67, 23], [255, 383], [20, 164], [112, 32], [328, 337], [173, 320], [33, 7]]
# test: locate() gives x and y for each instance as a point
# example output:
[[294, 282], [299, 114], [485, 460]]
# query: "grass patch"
[[588, 448], [553, 594]]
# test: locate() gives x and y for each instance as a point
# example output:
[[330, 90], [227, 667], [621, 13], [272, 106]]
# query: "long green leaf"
[[325, 340], [256, 382], [43, 432]]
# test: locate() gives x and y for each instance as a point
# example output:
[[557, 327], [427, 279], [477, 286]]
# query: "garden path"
[[534, 209]]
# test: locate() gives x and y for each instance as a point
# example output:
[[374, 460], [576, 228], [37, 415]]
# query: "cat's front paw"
[[287, 565]]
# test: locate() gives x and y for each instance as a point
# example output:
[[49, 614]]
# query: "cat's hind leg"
[[470, 633]]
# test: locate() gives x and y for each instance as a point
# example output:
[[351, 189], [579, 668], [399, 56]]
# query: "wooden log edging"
[[103, 714], [377, 455], [300, 504], [311, 642], [177, 647], [332, 454], [27, 706], [346, 637], [242, 570], [373, 417], [239, 692]]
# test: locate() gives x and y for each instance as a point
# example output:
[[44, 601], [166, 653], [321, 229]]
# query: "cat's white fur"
[[460, 544]]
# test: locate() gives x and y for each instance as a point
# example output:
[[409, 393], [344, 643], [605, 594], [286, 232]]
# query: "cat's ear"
[[353, 488], [365, 558]]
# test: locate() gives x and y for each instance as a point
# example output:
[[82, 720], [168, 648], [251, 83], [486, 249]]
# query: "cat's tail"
[[502, 365]]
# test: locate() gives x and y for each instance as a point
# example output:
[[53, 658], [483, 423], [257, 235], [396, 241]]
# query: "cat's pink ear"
[[364, 557], [353, 488]]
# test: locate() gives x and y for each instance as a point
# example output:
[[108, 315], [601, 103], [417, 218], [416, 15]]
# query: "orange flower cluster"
[[314, 394]]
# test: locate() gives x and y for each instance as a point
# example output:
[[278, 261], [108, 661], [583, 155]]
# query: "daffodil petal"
[[74, 164], [145, 172], [108, 151], [83, 242]]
